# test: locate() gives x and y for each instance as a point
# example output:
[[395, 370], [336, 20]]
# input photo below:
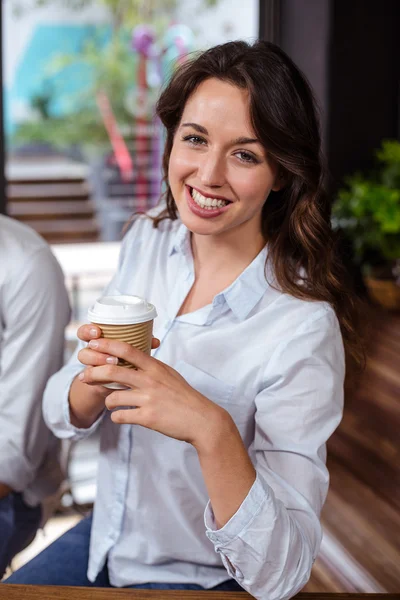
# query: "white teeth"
[[207, 203]]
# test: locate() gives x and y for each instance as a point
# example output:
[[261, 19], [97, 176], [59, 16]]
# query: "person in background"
[[213, 476], [34, 311]]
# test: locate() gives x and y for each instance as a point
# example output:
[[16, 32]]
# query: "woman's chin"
[[196, 224]]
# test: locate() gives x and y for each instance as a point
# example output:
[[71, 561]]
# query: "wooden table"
[[39, 592]]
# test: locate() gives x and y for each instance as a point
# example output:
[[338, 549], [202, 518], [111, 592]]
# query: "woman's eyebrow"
[[197, 127], [237, 141]]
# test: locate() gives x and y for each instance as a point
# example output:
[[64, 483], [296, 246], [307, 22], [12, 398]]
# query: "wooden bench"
[[52, 196]]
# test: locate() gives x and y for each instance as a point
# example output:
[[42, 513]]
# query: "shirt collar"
[[181, 241], [251, 285], [247, 290]]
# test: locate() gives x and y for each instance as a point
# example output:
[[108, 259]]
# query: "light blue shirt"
[[276, 364], [34, 311]]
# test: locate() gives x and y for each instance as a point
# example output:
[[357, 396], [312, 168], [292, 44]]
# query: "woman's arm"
[[226, 466], [57, 412], [86, 403], [270, 543], [71, 409]]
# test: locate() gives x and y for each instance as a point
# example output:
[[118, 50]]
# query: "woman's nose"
[[212, 171]]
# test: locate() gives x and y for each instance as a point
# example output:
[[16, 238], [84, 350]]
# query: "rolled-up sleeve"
[[56, 395], [56, 409], [35, 312], [56, 402], [271, 542]]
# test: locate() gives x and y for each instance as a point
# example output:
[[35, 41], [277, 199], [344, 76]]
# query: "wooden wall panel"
[[362, 511]]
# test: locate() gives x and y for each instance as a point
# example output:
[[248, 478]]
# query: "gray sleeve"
[[35, 311]]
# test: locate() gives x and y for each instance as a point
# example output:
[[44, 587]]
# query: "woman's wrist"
[[220, 427], [226, 467], [86, 403]]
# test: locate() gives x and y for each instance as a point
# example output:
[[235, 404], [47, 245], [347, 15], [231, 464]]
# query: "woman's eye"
[[246, 157], [194, 139]]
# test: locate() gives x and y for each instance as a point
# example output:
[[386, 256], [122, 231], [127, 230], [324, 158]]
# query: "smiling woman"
[[226, 165], [259, 93], [213, 475]]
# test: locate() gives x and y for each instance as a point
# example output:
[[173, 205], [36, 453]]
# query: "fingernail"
[[93, 344], [81, 376], [112, 360], [93, 332]]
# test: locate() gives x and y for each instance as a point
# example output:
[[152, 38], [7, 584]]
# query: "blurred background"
[[80, 151]]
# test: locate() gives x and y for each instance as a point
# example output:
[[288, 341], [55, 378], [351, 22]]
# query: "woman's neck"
[[223, 254]]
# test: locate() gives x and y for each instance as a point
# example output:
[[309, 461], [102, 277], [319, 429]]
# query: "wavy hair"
[[296, 221]]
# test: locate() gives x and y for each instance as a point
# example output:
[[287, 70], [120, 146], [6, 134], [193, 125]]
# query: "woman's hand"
[[160, 397], [86, 403], [91, 357]]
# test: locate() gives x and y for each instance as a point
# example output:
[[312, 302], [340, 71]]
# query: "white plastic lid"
[[121, 310]]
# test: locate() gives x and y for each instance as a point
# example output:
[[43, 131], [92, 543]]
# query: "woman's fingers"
[[155, 343], [131, 416], [132, 355], [88, 332], [127, 407], [124, 398], [109, 373], [92, 358]]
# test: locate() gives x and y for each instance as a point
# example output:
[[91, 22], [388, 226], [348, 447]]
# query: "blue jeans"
[[65, 562], [18, 525]]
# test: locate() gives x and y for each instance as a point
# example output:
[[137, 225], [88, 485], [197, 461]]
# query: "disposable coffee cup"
[[126, 319]]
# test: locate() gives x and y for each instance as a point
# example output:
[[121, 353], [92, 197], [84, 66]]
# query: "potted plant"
[[367, 211]]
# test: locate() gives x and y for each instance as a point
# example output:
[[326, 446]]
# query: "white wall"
[[229, 20]]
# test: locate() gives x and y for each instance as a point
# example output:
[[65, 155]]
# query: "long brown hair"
[[295, 220]]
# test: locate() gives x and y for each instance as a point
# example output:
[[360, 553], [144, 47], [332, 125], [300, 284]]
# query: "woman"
[[230, 416]]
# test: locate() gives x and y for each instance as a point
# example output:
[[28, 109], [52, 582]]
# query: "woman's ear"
[[279, 182]]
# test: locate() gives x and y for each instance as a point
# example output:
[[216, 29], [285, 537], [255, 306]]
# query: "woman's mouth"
[[206, 202], [204, 206]]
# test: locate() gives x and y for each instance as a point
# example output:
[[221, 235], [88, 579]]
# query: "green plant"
[[367, 211]]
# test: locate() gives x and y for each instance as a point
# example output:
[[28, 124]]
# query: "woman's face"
[[219, 174]]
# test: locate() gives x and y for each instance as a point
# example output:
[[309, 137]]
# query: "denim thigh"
[[18, 525], [64, 562], [6, 528]]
